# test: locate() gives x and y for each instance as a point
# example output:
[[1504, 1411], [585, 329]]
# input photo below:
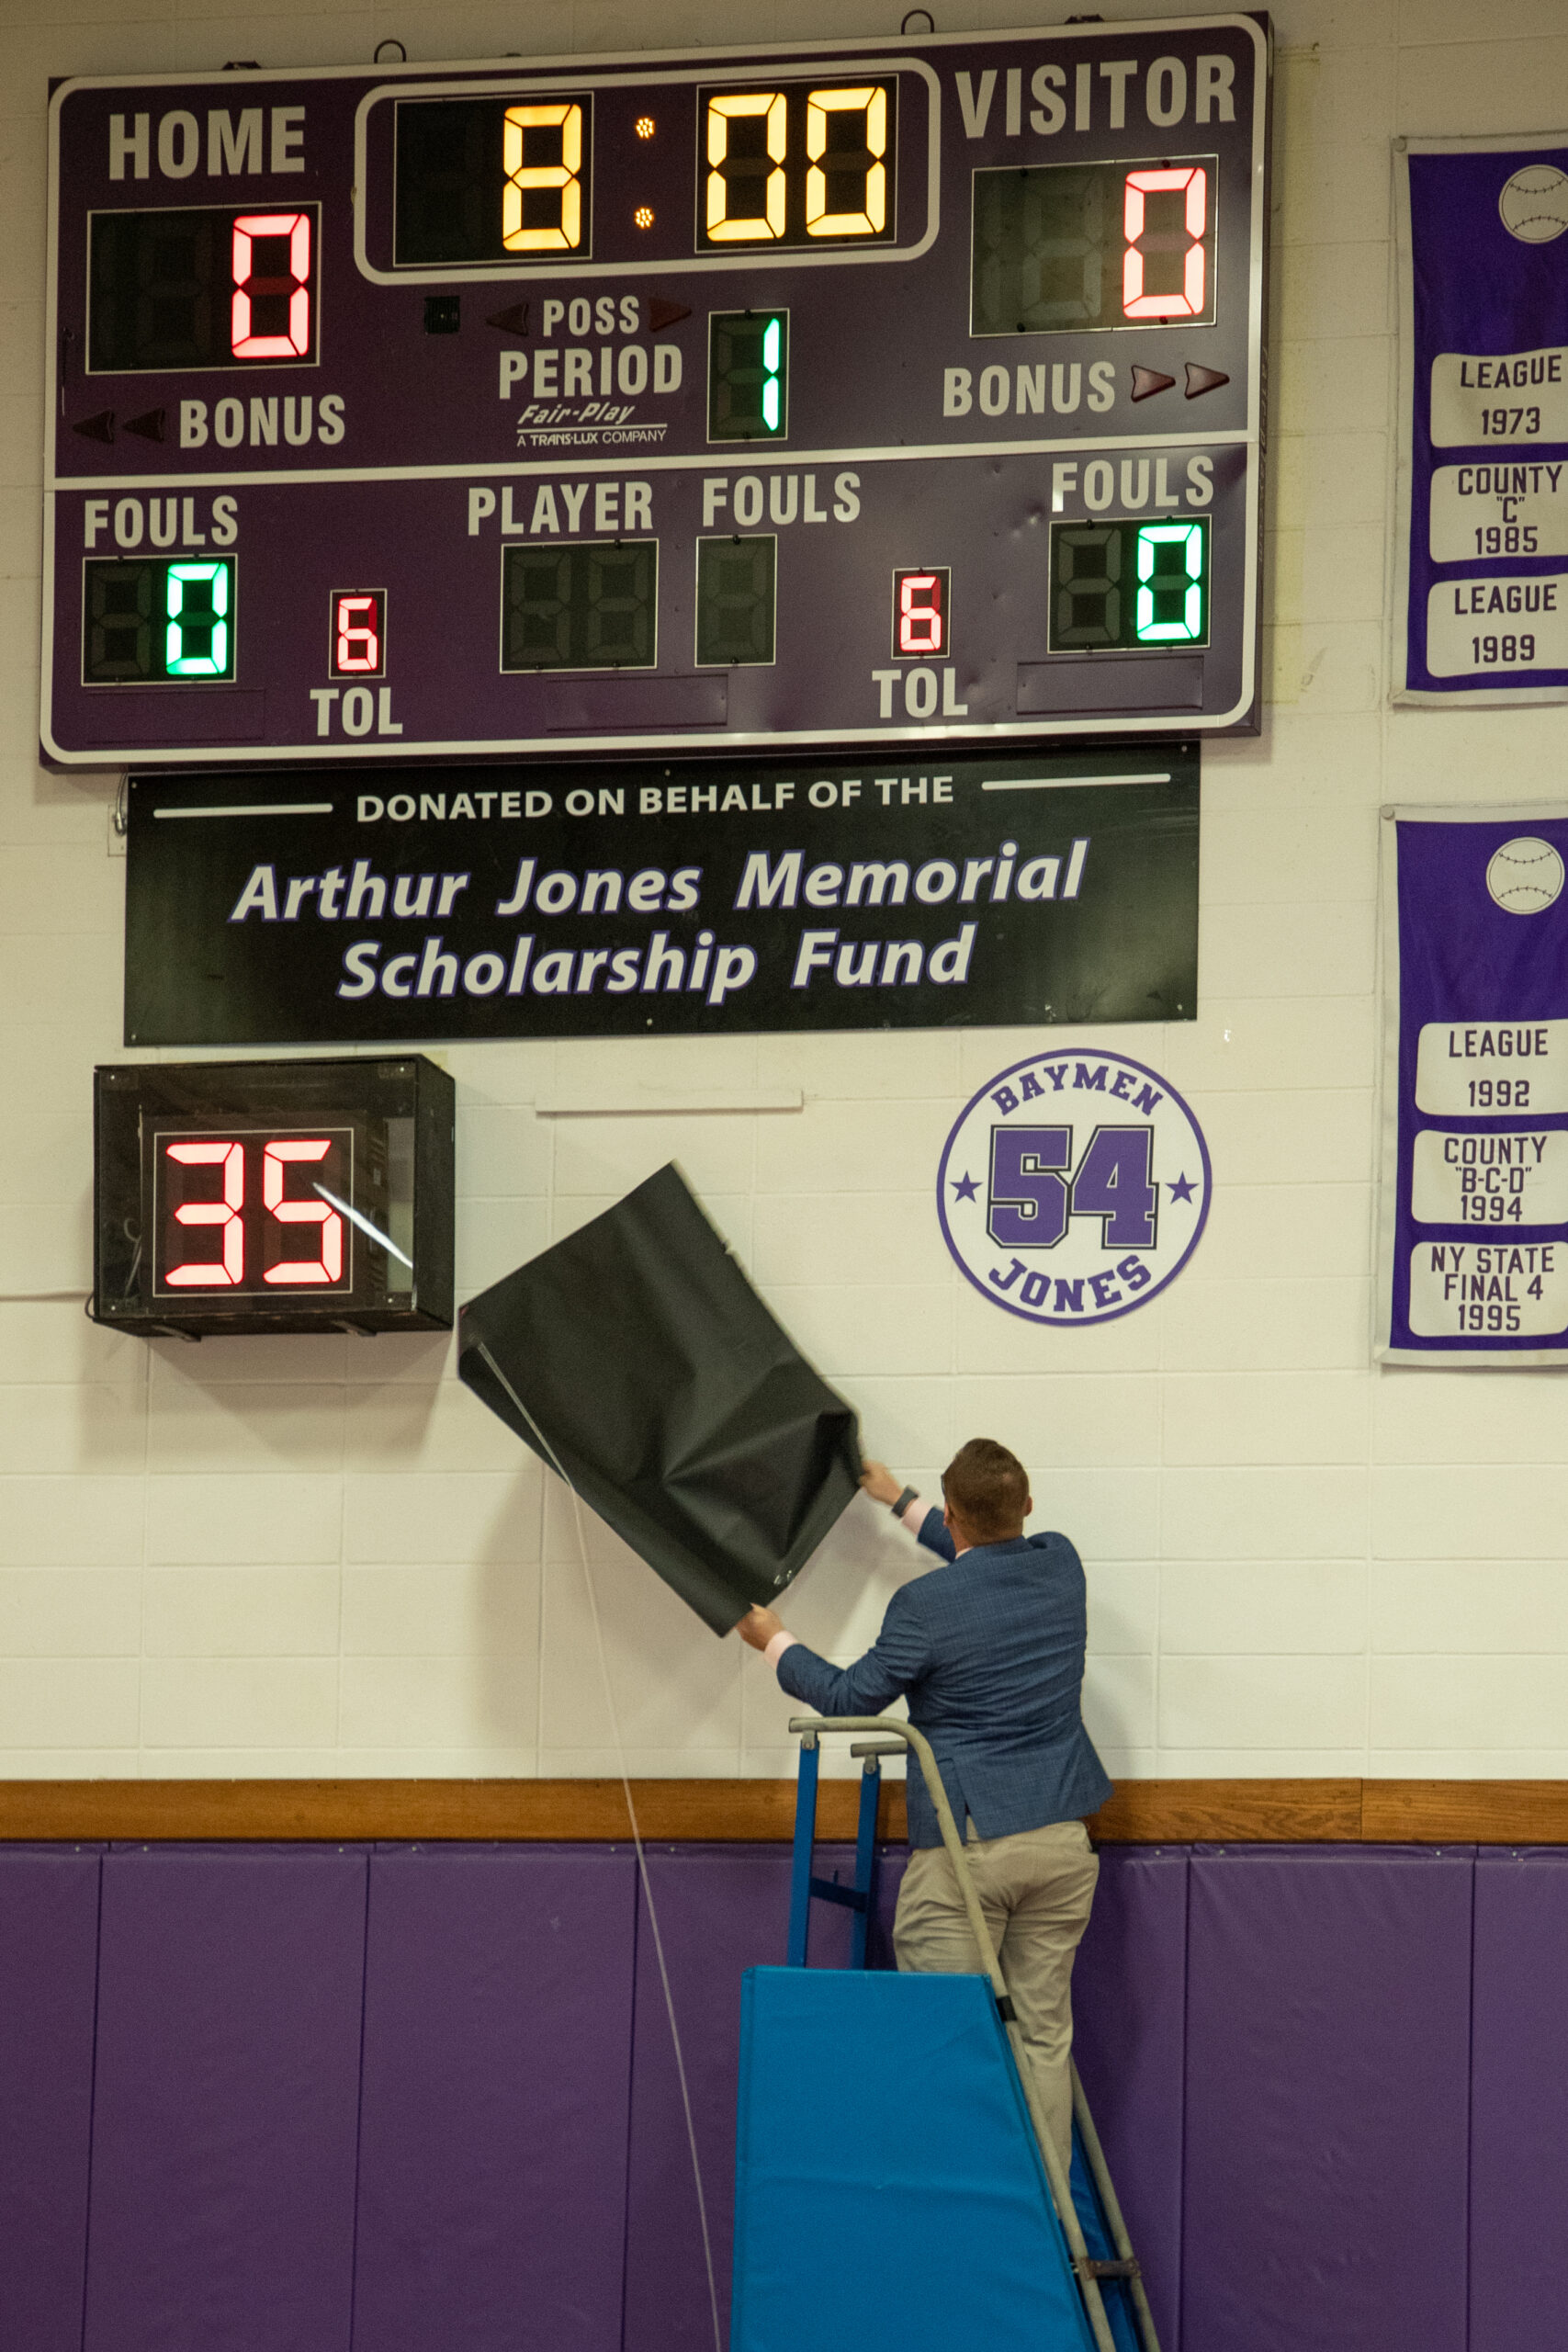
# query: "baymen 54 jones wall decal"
[[1074, 1186]]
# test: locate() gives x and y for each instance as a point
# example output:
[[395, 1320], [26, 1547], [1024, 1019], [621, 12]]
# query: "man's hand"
[[758, 1627], [879, 1483]]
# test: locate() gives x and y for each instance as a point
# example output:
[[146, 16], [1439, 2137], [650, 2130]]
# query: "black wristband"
[[904, 1500]]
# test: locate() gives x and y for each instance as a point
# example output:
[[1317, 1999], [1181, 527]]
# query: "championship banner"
[[1481, 599], [648, 899], [1472, 1223]]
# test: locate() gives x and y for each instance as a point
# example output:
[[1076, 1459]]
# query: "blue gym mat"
[[889, 2194]]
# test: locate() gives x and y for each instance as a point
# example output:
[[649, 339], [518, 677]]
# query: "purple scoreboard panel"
[[876, 391]]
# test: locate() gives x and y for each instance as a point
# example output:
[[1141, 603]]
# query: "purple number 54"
[[1114, 1182], [1029, 1199], [1032, 1195]]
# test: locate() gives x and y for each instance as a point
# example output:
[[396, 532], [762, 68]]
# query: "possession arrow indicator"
[[666, 314], [1147, 381], [1202, 379], [512, 322]]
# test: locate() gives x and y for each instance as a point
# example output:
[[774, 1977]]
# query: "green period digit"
[[749, 376], [772, 346]]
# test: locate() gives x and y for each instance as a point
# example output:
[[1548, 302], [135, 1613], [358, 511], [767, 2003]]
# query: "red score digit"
[[921, 630], [284, 331], [358, 633], [1190, 181]]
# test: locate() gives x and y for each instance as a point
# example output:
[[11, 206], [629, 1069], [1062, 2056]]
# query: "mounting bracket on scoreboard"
[[861, 393]]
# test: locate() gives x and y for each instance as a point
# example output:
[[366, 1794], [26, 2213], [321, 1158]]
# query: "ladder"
[[1086, 2207]]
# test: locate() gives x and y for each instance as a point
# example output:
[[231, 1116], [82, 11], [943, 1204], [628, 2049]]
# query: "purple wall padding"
[[721, 1910], [1519, 2166], [1130, 2026], [225, 2116], [498, 2031], [1327, 2099], [1352, 2123], [49, 1958]]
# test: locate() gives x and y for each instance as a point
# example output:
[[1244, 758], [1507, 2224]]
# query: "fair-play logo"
[[1073, 1187]]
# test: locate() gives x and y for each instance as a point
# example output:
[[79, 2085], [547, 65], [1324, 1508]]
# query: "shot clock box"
[[256, 1197], [862, 393]]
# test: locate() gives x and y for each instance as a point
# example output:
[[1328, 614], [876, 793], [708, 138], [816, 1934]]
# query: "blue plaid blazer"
[[989, 1650]]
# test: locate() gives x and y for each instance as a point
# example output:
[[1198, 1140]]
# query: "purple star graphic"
[[967, 1188], [1182, 1188]]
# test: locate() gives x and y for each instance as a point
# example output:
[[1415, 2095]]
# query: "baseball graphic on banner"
[[1534, 204], [1524, 877], [1074, 1186]]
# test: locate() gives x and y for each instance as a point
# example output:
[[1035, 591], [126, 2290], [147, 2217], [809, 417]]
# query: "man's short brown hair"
[[989, 1488]]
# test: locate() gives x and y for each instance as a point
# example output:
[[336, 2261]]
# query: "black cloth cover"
[[675, 1404]]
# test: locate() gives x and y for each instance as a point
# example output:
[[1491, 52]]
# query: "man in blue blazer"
[[989, 1651]]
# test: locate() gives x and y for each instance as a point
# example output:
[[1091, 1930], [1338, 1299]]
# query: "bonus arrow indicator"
[[148, 426], [1202, 379], [1147, 381], [97, 428]]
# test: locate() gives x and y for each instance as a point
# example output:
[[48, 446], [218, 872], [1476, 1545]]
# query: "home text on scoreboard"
[[864, 393]]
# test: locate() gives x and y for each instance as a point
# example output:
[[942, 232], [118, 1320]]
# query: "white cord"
[[637, 1834]]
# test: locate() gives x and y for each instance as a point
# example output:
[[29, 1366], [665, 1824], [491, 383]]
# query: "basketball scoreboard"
[[870, 392]]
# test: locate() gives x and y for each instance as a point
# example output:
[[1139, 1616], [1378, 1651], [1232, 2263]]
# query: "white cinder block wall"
[[322, 1556]]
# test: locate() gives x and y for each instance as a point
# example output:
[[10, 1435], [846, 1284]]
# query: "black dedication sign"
[[629, 900]]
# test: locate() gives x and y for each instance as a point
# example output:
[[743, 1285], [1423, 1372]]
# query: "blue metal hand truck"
[[1113, 2306]]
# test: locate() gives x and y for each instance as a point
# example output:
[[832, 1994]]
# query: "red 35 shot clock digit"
[[274, 1197]]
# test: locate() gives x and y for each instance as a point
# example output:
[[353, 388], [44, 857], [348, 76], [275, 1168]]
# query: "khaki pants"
[[1035, 1890]]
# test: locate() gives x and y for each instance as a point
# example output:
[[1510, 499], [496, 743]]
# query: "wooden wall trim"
[[1464, 1813], [1181, 1812], [1142, 1813], [354, 1810]]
